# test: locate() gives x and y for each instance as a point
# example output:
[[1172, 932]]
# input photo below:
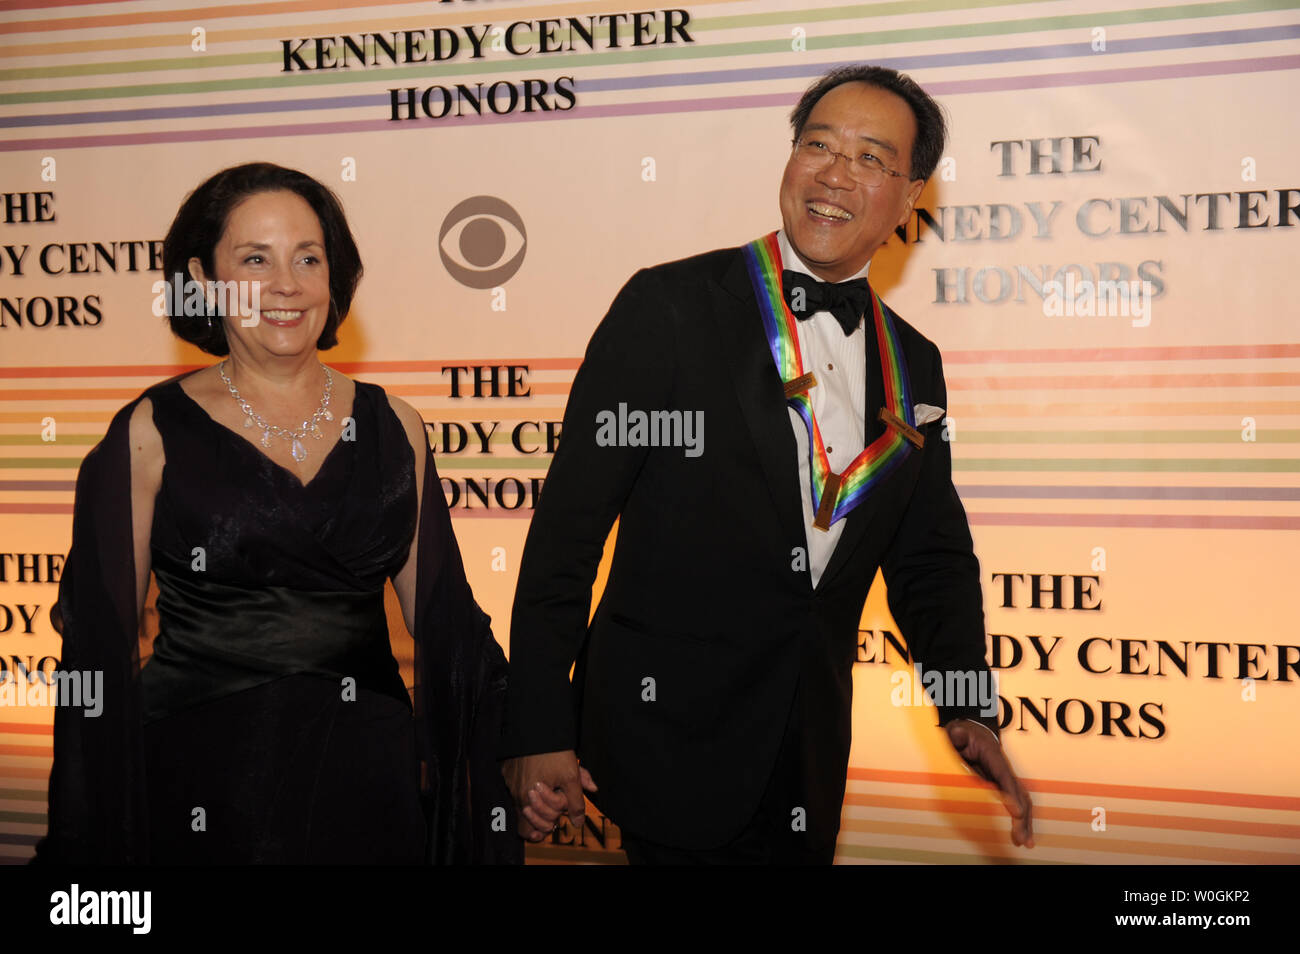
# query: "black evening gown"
[[271, 723], [277, 727]]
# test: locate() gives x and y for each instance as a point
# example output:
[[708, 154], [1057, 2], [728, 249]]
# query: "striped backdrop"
[[1127, 439]]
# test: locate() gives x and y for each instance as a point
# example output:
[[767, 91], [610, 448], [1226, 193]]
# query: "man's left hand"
[[981, 750]]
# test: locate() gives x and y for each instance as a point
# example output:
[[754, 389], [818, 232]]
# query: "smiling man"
[[709, 713]]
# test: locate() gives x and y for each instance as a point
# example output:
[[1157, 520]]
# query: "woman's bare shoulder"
[[146, 442]]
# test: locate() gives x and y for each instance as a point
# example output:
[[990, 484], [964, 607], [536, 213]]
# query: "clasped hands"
[[546, 786], [551, 784]]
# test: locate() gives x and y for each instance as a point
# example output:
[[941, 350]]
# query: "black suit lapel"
[[859, 518], [758, 389]]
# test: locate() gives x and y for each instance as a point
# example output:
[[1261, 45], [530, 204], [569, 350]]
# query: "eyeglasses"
[[866, 169]]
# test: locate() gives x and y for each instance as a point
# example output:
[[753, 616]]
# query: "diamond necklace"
[[268, 430]]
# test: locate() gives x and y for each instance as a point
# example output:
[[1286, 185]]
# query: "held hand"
[[980, 749], [546, 786]]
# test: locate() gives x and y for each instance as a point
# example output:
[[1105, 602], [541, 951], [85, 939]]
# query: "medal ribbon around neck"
[[869, 469]]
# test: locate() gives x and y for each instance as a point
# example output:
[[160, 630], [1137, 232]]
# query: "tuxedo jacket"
[[687, 672]]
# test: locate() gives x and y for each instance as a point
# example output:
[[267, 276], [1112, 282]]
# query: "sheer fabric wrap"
[[98, 791]]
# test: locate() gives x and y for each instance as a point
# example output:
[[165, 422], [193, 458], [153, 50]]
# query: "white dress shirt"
[[838, 402]]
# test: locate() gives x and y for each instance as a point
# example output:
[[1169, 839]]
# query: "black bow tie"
[[806, 295]]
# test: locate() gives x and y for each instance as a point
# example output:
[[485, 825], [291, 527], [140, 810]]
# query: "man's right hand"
[[546, 786]]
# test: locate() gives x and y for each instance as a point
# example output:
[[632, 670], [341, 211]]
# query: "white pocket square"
[[925, 413]]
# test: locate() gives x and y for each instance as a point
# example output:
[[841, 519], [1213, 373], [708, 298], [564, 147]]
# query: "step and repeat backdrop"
[[1106, 258]]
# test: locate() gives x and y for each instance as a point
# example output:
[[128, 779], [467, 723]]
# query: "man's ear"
[[914, 191]]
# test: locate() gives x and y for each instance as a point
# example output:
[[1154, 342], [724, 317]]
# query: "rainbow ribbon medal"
[[834, 495]]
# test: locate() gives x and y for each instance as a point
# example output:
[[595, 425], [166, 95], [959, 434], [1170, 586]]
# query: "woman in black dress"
[[271, 497]]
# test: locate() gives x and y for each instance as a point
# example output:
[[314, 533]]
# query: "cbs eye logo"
[[482, 242]]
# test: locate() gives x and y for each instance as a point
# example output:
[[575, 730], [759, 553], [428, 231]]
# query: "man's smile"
[[827, 211]]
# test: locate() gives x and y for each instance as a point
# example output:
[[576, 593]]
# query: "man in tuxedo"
[[709, 712]]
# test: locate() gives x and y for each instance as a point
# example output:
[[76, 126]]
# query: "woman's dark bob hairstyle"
[[201, 222]]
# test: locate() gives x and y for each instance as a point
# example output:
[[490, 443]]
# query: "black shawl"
[[98, 812]]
